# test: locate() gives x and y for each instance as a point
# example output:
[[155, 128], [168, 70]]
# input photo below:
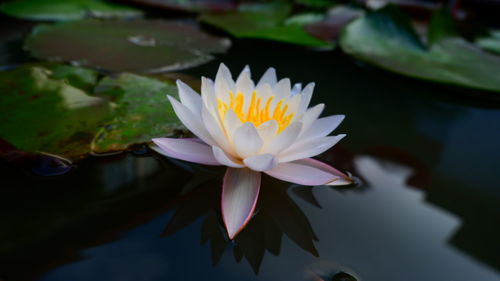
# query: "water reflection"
[[276, 215]]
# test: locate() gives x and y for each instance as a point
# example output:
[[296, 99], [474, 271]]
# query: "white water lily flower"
[[251, 128]]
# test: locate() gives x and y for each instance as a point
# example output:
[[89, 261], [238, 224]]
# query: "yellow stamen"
[[255, 113]]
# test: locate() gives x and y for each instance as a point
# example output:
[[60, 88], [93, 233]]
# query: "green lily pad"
[[66, 9], [264, 21], [126, 46], [143, 112], [387, 39], [490, 43], [45, 108], [190, 5]]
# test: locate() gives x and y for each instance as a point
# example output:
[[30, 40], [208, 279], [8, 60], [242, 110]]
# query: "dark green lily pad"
[[264, 21], [190, 5], [45, 108], [490, 43], [126, 46], [143, 112], [316, 3], [66, 9], [387, 39]]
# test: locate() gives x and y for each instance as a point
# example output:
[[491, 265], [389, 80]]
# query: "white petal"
[[301, 173], [342, 179], [269, 77], [208, 93], [310, 116], [190, 121], [247, 141], [308, 148], [265, 91], [297, 88], [268, 130], [282, 89], [323, 126], [189, 97], [224, 83], [261, 162], [240, 191], [283, 139], [226, 159], [244, 84], [215, 130], [293, 105], [192, 150], [231, 122], [306, 97]]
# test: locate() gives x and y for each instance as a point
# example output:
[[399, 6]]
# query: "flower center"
[[258, 111]]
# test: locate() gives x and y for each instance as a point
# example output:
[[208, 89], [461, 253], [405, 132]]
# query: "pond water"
[[426, 207]]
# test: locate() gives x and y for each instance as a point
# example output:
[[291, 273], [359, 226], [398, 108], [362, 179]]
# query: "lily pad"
[[490, 43], [387, 39], [190, 5], [45, 108], [126, 46], [264, 21], [328, 29], [143, 112], [66, 9]]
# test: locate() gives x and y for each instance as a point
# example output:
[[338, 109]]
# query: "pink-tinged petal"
[[189, 97], [240, 191], [269, 77], [263, 162], [192, 150], [322, 127], [283, 139], [301, 172], [225, 159], [306, 97], [247, 141], [342, 179], [191, 122], [308, 148]]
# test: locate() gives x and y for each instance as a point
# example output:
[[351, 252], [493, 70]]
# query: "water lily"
[[253, 129]]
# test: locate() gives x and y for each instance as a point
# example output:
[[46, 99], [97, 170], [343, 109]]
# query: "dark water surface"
[[428, 209]]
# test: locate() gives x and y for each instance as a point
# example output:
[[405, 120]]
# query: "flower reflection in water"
[[276, 215]]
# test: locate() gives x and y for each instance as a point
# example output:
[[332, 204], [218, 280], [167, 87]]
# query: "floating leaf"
[[143, 112], [491, 43], [263, 21], [42, 108], [328, 29], [133, 46], [190, 5], [316, 3], [66, 9], [387, 39]]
